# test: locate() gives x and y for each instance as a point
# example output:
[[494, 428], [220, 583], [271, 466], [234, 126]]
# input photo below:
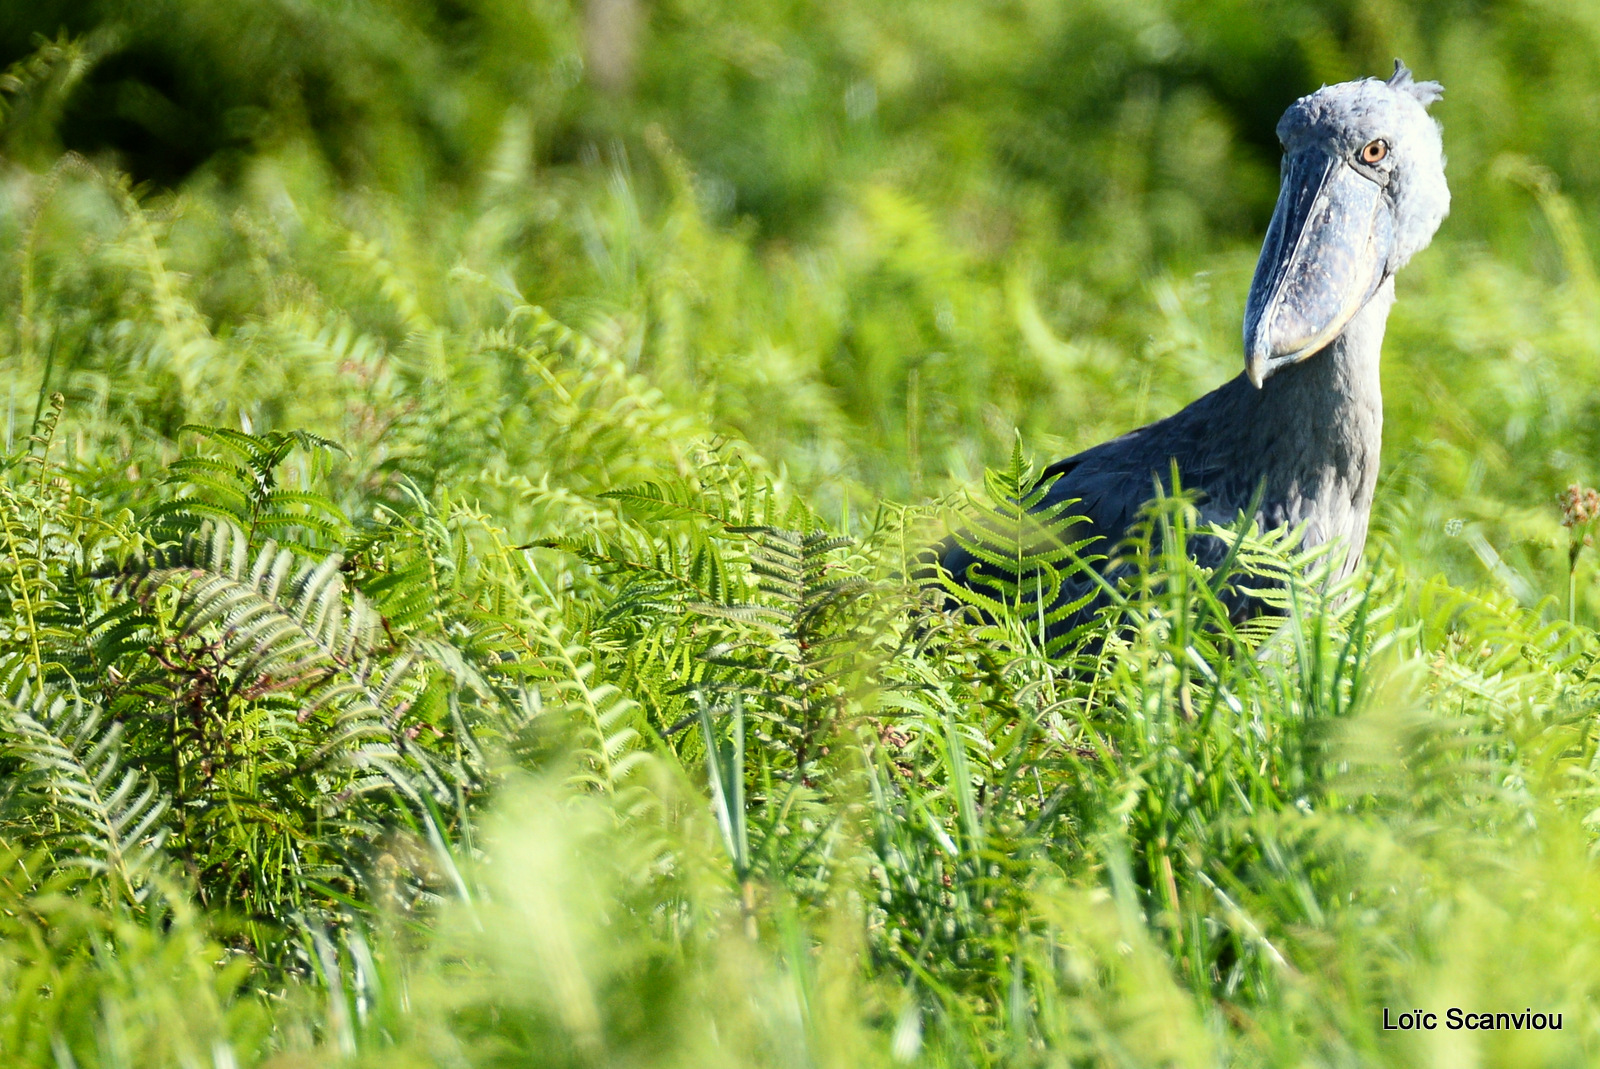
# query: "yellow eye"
[[1375, 152]]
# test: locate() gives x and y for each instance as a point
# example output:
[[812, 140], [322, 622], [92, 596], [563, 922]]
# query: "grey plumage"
[[1362, 191]]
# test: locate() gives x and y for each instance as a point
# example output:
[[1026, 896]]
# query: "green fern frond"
[[242, 487], [657, 501], [1034, 573], [281, 623], [115, 814]]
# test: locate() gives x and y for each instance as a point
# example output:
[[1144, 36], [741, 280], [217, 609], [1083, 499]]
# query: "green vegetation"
[[461, 463]]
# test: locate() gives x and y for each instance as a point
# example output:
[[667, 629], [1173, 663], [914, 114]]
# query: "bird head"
[[1362, 191]]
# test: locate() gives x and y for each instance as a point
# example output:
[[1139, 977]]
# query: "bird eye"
[[1375, 151]]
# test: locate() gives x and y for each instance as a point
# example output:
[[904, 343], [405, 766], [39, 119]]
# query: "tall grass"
[[456, 525]]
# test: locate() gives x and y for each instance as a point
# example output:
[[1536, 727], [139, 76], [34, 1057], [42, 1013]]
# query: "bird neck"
[[1335, 394], [1314, 431]]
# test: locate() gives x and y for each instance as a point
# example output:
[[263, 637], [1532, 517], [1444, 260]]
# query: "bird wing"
[[1107, 486], [1103, 487]]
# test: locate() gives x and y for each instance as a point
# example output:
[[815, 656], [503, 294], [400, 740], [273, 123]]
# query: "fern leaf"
[[113, 813]]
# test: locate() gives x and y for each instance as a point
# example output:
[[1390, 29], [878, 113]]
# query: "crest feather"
[[1425, 93]]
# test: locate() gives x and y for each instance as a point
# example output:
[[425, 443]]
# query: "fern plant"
[[292, 726], [65, 759], [239, 484], [1030, 572], [287, 709]]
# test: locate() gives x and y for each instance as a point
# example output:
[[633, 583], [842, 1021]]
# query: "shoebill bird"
[[1362, 191]]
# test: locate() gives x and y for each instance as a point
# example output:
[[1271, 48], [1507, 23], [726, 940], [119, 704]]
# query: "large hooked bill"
[[1323, 259]]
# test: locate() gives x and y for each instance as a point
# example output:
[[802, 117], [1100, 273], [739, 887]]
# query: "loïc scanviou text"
[[1456, 1019]]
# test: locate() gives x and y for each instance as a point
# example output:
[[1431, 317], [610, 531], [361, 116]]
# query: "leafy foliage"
[[1032, 564], [452, 612], [112, 817]]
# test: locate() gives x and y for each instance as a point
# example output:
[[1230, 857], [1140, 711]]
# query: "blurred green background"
[[801, 263], [874, 239]]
